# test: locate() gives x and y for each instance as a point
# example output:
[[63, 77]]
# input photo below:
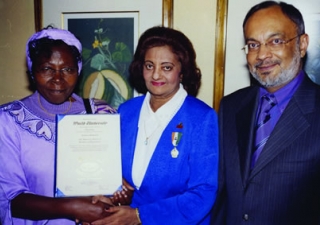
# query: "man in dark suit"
[[270, 132]]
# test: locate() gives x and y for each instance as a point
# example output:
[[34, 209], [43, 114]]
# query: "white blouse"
[[151, 125]]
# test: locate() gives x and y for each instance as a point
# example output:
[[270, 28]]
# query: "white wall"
[[196, 19]]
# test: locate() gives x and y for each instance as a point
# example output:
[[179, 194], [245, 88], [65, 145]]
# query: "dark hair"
[[43, 47], [289, 10], [180, 46]]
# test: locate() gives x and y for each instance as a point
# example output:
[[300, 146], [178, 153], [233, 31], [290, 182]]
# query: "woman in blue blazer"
[[169, 138]]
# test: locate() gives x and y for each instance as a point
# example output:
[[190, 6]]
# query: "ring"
[[124, 188]]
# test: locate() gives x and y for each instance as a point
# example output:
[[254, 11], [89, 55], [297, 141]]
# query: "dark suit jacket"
[[284, 186]]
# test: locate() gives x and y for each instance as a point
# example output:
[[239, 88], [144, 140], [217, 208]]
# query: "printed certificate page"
[[88, 155]]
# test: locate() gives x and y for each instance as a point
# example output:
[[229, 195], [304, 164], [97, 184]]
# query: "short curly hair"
[[180, 46]]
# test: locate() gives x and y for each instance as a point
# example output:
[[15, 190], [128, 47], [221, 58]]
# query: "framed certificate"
[[88, 155]]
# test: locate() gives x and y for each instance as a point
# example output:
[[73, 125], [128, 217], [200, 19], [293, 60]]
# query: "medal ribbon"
[[176, 137]]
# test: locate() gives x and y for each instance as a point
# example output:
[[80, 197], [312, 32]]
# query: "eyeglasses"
[[274, 44], [48, 71]]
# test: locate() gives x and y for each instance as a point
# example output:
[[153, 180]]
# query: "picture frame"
[[219, 55], [108, 43], [167, 13], [105, 65]]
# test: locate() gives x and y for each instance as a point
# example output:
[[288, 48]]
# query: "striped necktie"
[[264, 126]]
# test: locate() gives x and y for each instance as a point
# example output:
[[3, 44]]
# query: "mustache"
[[267, 62]]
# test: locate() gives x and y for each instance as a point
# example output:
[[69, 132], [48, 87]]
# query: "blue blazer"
[[284, 186], [178, 190]]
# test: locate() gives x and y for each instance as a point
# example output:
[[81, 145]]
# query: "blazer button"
[[245, 217]]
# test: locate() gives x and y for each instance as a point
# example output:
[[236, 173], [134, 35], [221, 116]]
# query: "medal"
[[175, 138], [174, 153]]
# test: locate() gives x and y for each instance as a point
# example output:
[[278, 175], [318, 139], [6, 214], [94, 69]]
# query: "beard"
[[283, 77]]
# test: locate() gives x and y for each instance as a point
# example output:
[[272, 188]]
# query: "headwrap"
[[55, 34]]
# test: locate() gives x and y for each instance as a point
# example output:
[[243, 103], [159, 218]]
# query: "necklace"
[[148, 137], [51, 114]]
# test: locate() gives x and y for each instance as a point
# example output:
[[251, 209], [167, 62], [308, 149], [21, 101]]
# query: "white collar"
[[165, 113]]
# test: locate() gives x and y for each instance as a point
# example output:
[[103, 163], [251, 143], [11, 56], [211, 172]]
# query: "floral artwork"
[[107, 52]]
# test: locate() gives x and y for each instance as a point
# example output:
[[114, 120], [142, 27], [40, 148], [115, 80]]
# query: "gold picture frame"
[[37, 14], [220, 55], [167, 13]]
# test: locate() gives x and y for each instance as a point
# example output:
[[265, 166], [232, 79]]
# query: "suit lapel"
[[245, 122], [129, 132], [290, 126]]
